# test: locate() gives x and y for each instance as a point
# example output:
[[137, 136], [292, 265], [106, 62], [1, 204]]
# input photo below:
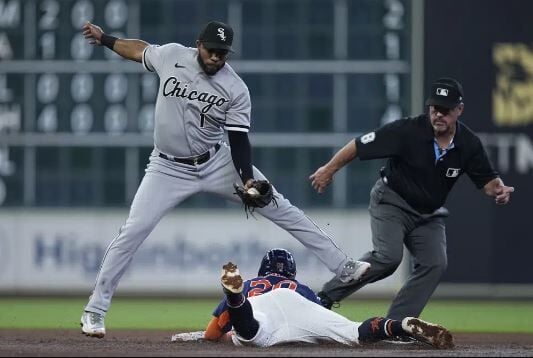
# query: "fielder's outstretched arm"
[[130, 49]]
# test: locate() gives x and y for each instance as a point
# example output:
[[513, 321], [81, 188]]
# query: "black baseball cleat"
[[325, 300]]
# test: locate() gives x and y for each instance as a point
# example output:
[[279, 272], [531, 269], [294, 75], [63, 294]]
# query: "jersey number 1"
[[202, 120]]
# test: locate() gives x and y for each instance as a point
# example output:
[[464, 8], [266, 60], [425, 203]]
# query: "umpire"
[[426, 155]]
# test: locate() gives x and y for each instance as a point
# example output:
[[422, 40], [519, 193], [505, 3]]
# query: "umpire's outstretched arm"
[[499, 191], [324, 175]]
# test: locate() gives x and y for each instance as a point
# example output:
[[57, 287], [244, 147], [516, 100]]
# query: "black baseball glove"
[[257, 194]]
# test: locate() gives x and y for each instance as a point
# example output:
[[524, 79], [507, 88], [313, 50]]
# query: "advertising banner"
[[59, 251], [488, 46]]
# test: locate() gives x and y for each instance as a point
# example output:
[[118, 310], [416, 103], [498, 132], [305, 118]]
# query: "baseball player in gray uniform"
[[199, 97]]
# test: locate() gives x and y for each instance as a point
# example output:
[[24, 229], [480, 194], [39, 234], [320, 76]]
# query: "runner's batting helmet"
[[279, 261]]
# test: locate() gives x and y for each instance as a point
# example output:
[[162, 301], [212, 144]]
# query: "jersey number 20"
[[262, 286]]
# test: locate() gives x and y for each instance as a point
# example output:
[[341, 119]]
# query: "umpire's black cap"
[[217, 35], [446, 92]]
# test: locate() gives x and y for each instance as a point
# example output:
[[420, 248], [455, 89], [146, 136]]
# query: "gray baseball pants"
[[394, 223], [165, 185]]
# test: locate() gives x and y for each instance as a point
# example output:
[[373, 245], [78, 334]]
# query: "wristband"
[[108, 41]]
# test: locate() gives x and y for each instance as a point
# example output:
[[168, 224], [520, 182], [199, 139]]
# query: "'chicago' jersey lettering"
[[193, 109], [172, 88]]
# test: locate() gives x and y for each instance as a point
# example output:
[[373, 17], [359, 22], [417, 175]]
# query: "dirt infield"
[[42, 343]]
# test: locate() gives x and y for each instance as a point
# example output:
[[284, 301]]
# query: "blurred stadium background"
[[76, 130]]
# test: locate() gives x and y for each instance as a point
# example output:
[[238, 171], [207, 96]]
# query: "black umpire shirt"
[[412, 170]]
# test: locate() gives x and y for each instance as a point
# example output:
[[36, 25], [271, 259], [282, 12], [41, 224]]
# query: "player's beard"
[[209, 70]]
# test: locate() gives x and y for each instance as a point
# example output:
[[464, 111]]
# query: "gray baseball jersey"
[[192, 108], [192, 111]]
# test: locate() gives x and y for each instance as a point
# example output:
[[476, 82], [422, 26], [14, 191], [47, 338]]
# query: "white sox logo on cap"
[[221, 34], [442, 92]]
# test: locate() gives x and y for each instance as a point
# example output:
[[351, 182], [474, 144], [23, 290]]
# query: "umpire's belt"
[[195, 160]]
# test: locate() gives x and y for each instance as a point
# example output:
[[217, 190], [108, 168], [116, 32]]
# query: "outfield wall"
[[59, 251], [52, 251]]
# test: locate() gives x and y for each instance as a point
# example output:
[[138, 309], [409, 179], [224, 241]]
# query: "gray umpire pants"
[[394, 223]]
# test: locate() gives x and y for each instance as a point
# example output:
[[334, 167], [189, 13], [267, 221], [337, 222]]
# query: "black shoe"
[[326, 301]]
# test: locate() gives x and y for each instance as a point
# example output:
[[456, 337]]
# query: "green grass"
[[193, 314], [459, 315]]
